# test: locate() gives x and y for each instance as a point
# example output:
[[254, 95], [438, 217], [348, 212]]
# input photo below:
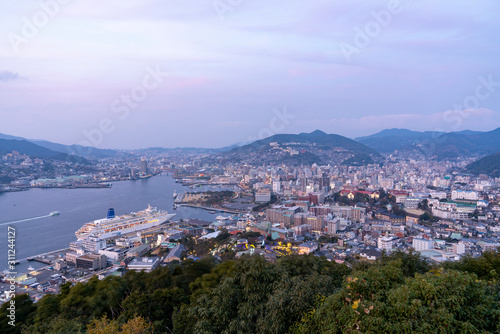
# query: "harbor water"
[[37, 232]]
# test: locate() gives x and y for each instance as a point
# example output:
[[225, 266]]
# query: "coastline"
[[50, 234], [209, 208]]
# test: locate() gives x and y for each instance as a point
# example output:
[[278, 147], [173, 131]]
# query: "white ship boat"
[[221, 218], [54, 213], [114, 226]]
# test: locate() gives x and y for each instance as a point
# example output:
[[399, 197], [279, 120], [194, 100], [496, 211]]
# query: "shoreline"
[[98, 185], [209, 208], [156, 190], [34, 257], [39, 258]]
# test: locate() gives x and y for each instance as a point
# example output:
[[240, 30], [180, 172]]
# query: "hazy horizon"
[[215, 73], [229, 144]]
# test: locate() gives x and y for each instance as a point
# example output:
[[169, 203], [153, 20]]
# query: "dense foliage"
[[489, 165], [393, 298], [298, 294]]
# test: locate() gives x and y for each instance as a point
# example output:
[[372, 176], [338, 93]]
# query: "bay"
[[79, 206]]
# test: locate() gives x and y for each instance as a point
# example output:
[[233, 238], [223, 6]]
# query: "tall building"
[[422, 244], [276, 186], [282, 215], [385, 243], [93, 243], [459, 248], [144, 167], [317, 223], [324, 184], [333, 226]]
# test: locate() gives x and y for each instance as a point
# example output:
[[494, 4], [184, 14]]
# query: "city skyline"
[[217, 73]]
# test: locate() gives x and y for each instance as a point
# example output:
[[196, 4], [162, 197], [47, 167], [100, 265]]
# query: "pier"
[[210, 208], [39, 257]]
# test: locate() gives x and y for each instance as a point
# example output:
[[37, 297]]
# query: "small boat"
[[54, 213], [221, 218], [30, 268]]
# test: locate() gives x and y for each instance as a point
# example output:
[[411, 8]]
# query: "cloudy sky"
[[210, 73]]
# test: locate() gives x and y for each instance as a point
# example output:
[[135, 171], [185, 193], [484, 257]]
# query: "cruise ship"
[[113, 226]]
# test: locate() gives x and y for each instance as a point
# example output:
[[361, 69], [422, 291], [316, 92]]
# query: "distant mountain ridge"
[[434, 143], [79, 150], [489, 165], [318, 137], [92, 152], [364, 149], [31, 149], [303, 148]]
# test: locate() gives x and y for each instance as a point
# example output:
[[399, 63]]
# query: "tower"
[[144, 167]]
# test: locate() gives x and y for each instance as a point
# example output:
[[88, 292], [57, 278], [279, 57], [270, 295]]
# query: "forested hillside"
[[401, 293]]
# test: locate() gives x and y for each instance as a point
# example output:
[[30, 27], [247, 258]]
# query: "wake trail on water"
[[24, 220]]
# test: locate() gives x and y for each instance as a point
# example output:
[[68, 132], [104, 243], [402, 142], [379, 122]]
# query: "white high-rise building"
[[422, 244], [276, 186], [459, 248], [385, 243]]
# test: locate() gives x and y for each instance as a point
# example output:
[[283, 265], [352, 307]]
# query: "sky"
[[211, 73]]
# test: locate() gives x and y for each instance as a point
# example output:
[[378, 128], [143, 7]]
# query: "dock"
[[210, 208]]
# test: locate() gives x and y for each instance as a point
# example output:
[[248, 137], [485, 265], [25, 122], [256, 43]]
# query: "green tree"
[[425, 217], [104, 325], [410, 263], [24, 314], [486, 267], [157, 307], [435, 302], [423, 205], [56, 325], [255, 296], [48, 307]]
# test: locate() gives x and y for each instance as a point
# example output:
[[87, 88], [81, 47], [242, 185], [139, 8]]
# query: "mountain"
[[468, 132], [304, 148], [433, 143], [84, 151], [92, 152], [9, 137], [25, 147], [387, 141], [489, 165], [390, 133]]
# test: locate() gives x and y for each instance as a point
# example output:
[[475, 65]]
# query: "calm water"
[[77, 207]]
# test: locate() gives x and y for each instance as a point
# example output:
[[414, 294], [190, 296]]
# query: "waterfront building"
[[91, 261], [138, 251], [144, 167], [146, 264], [93, 243], [113, 254]]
